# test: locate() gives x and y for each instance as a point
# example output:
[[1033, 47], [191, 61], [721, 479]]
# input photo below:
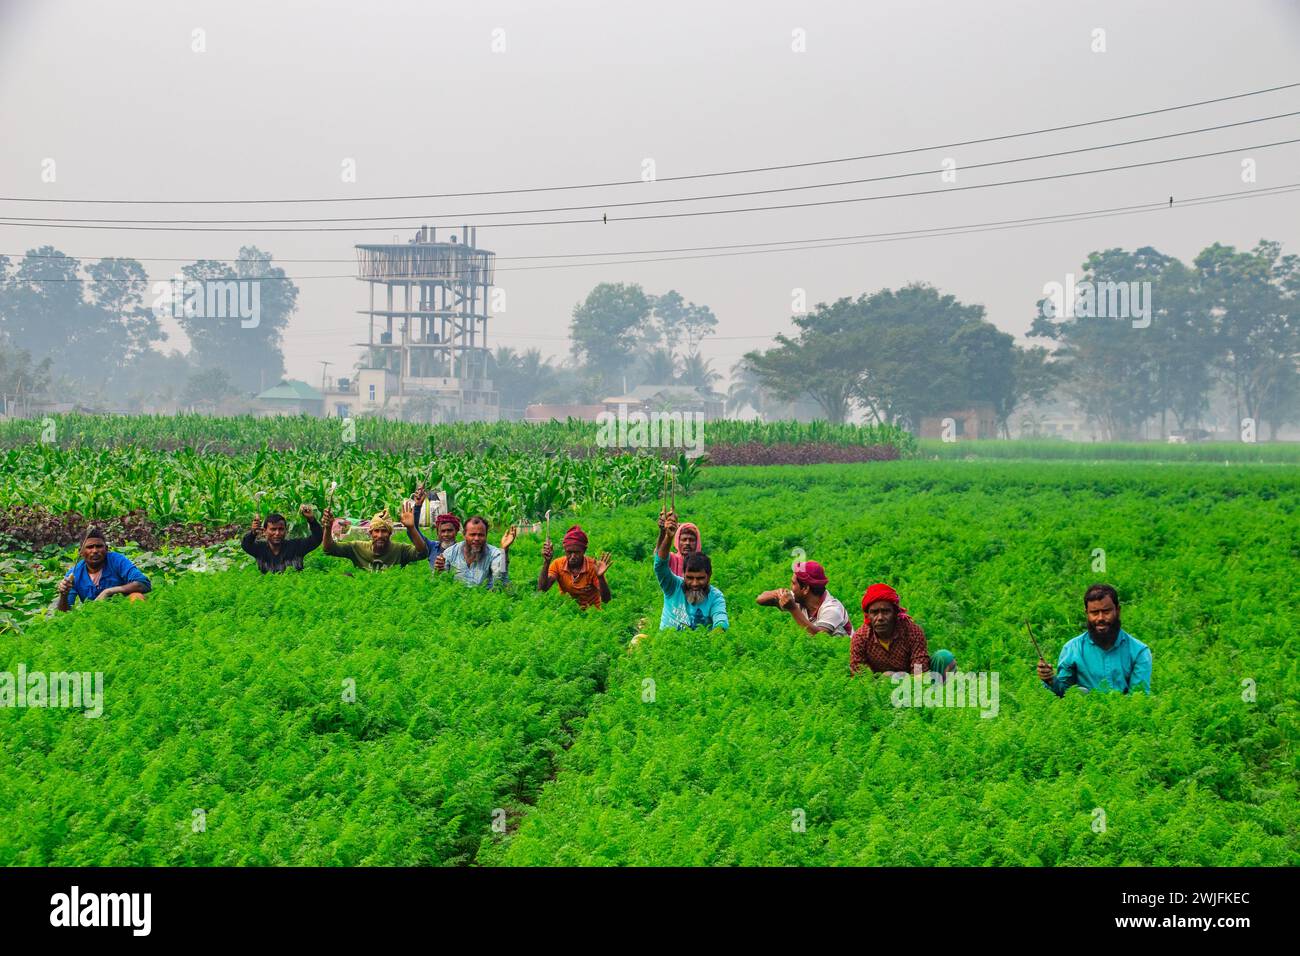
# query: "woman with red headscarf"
[[685, 541], [890, 642]]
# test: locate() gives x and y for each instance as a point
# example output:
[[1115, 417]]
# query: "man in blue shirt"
[[1103, 654], [100, 574], [445, 526], [689, 601], [474, 561]]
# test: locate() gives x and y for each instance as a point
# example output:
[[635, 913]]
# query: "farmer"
[[445, 528], [100, 574], [807, 601], [690, 601], [476, 562], [275, 554], [577, 574], [890, 642], [381, 551], [685, 541], [1103, 655]]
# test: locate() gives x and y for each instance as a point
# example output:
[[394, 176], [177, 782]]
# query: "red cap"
[[879, 592], [810, 572]]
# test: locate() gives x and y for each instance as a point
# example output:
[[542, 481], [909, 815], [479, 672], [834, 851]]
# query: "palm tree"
[[658, 367], [745, 389], [698, 371]]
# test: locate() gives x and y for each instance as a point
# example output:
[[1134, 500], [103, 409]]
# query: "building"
[[365, 393], [428, 330], [559, 413], [976, 421], [290, 397], [669, 398]]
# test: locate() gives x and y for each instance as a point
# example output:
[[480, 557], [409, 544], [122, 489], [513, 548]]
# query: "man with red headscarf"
[[807, 601], [889, 641], [577, 574], [445, 528]]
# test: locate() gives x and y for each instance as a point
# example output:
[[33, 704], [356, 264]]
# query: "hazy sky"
[[584, 92]]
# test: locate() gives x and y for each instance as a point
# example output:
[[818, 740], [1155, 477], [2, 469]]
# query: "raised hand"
[[1045, 670], [305, 510], [420, 494], [548, 552], [64, 586], [327, 519], [257, 525], [603, 563], [508, 538], [408, 515]]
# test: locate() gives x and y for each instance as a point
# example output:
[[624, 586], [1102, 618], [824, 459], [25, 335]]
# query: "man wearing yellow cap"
[[380, 551]]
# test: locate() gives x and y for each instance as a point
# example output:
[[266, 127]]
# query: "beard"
[[696, 595], [1109, 633]]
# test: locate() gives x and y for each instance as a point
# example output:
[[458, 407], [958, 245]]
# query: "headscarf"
[[448, 518], [575, 536], [810, 573], [676, 560], [381, 521], [882, 592]]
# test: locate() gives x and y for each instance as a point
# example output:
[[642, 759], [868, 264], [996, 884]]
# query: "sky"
[[433, 97]]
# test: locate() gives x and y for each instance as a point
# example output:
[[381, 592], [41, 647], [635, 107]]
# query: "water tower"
[[428, 325]]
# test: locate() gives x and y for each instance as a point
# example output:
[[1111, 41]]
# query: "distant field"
[[1047, 449]]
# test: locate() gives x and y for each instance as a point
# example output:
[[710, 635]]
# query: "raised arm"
[[602, 565], [544, 579], [250, 537], [412, 532]]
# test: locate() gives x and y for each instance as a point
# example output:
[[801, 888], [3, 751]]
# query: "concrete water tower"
[[429, 328]]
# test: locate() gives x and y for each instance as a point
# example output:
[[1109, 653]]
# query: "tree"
[[521, 380], [698, 371], [1254, 298], [248, 349], [88, 325], [21, 379], [812, 366], [206, 388], [604, 327], [657, 367], [1110, 364]]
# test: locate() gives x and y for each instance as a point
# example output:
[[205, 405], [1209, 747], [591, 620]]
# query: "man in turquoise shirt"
[[1105, 652], [689, 601]]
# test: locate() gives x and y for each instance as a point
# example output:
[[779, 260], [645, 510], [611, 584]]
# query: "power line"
[[664, 179], [387, 220], [933, 232], [1243, 194], [686, 215]]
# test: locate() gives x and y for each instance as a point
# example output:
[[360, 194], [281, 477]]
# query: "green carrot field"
[[511, 729]]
